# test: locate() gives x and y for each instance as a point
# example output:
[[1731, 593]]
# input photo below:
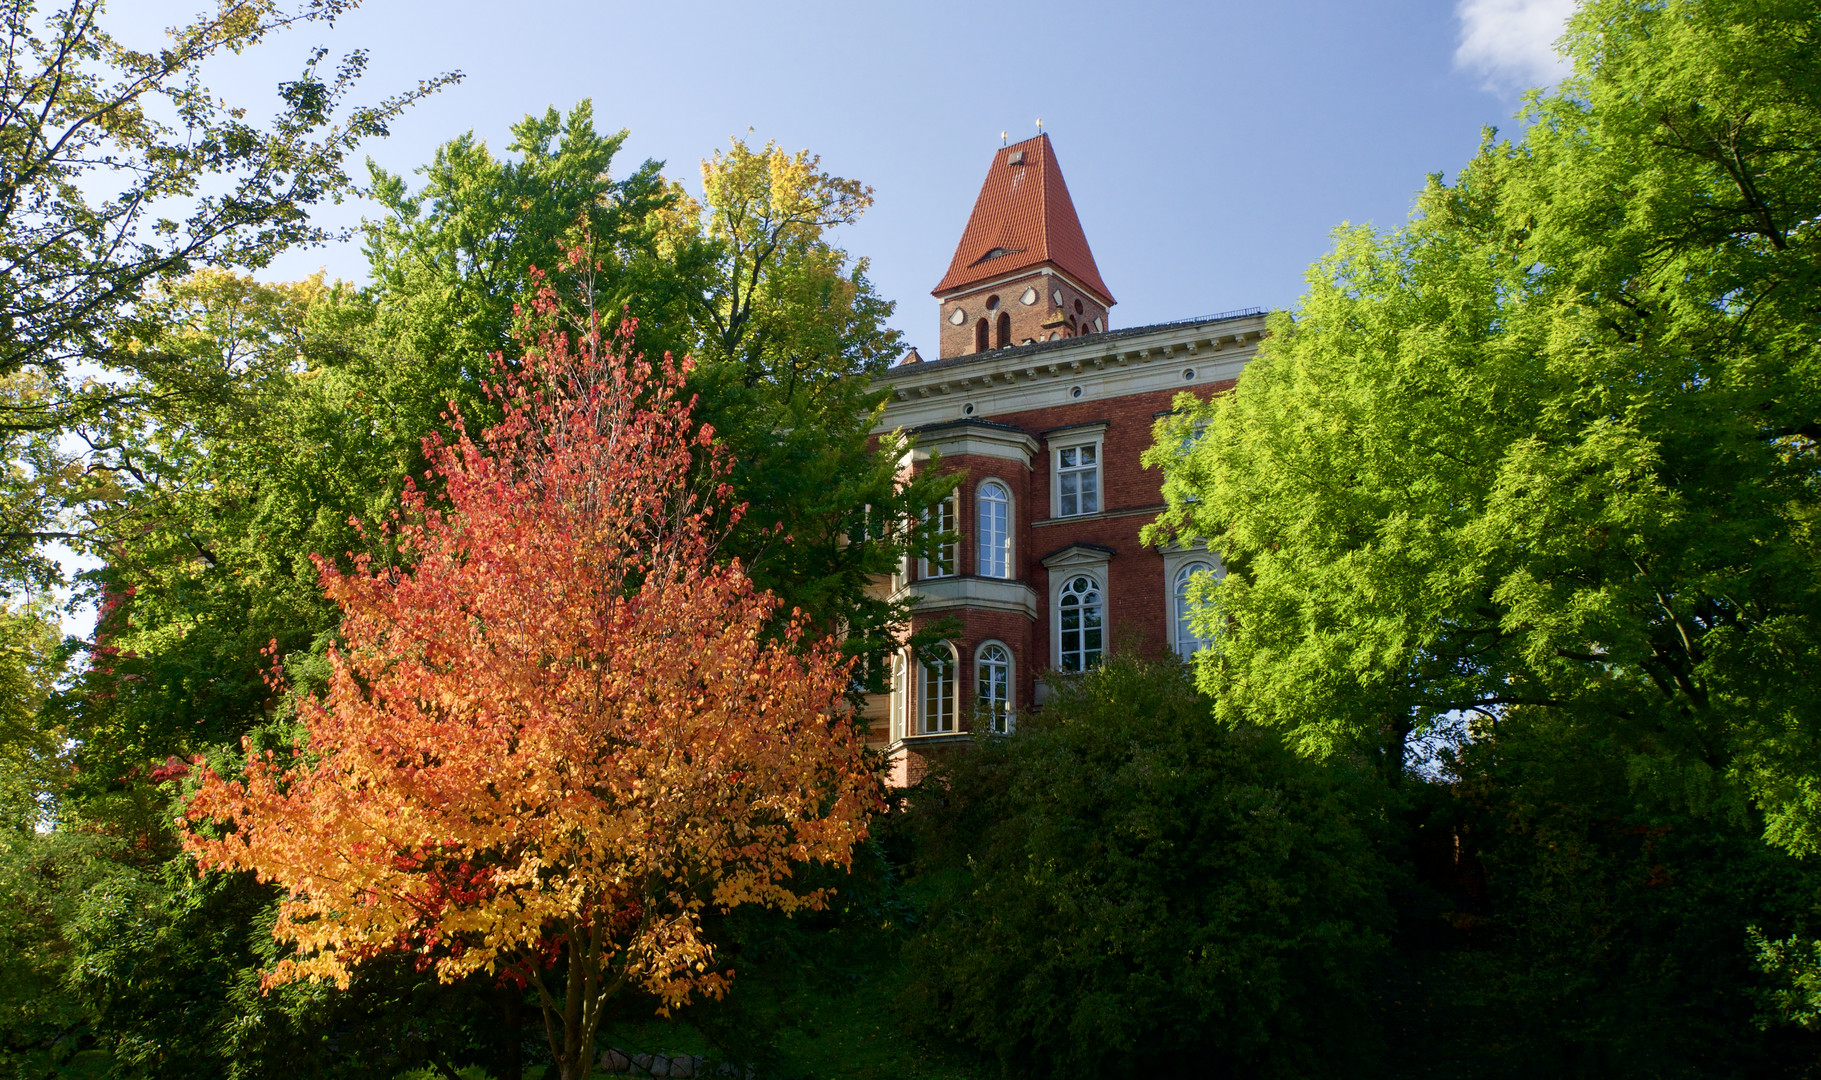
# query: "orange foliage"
[[561, 732]]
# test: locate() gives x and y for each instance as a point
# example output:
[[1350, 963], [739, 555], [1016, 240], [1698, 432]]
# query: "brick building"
[[1045, 409]]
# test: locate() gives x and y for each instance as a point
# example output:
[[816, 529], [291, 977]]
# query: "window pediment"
[[1078, 556]]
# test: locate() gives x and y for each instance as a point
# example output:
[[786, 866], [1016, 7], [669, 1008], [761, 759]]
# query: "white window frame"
[[1186, 646], [1010, 714], [947, 711], [982, 536], [900, 707], [1174, 559], [1089, 435], [948, 513], [1064, 566], [1098, 584]]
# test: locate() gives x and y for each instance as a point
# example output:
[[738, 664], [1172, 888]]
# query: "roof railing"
[[1236, 313]]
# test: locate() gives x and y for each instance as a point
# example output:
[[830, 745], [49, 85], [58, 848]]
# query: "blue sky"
[[1210, 147]]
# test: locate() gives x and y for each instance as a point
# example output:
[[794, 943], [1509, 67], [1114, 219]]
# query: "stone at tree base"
[[614, 1061]]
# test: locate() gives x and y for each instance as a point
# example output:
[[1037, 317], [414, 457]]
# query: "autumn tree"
[[558, 735], [785, 325]]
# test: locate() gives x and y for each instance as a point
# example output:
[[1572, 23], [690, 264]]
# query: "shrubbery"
[[1128, 888]]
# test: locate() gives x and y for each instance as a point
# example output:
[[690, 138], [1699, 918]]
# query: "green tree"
[[791, 335], [1556, 924], [1553, 444], [1537, 473], [119, 169], [1129, 888]]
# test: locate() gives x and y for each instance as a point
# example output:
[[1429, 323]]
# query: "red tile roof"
[[1023, 219]]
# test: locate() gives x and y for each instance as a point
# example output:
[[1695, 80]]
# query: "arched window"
[[1005, 329], [993, 688], [981, 344], [1082, 624], [994, 530], [1187, 642], [937, 711]]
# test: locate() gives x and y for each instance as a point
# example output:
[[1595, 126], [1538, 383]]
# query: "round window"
[[1188, 373], [992, 303], [1077, 307], [968, 409], [1074, 391]]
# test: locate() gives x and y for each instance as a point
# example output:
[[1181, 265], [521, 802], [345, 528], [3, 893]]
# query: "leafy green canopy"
[[120, 170], [1552, 923], [1129, 888], [1553, 445]]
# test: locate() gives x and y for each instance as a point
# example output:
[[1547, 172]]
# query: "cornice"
[[975, 437], [1026, 378]]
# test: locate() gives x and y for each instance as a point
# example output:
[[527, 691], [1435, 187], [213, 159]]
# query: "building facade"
[[1045, 409]]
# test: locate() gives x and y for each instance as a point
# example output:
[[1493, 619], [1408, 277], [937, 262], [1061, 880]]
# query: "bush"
[[1128, 888]]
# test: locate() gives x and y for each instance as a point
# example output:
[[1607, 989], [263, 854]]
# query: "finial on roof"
[[1040, 125], [911, 357], [1002, 138]]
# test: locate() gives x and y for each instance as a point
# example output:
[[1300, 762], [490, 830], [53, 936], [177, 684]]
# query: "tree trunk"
[[509, 1062]]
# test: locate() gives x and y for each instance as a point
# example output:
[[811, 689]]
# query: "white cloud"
[[1512, 42]]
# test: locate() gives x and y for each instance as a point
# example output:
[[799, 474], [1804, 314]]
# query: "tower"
[[1023, 271]]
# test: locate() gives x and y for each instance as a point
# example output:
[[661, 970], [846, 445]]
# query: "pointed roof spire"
[[1023, 219]]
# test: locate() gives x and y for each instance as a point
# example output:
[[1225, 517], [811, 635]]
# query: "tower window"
[[1077, 307], [992, 303], [981, 336], [1005, 329]]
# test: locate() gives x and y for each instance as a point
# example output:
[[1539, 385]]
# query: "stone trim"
[[971, 591]]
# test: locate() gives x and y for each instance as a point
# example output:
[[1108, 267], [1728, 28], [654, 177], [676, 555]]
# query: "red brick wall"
[[1027, 321], [1130, 498]]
